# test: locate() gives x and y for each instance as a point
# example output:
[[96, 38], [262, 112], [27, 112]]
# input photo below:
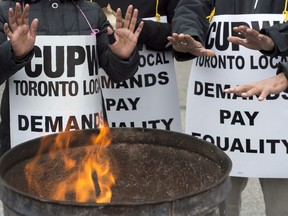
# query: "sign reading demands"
[[149, 99], [252, 133], [58, 91]]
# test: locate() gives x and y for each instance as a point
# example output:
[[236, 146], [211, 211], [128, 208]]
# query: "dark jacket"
[[67, 19], [154, 34], [279, 35], [190, 15]]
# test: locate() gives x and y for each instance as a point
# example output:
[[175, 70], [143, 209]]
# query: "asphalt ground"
[[252, 199]]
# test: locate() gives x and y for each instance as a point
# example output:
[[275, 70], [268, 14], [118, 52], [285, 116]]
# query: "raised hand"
[[263, 88], [252, 39], [125, 35], [187, 44], [21, 35]]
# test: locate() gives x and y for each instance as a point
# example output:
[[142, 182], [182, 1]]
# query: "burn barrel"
[[159, 173]]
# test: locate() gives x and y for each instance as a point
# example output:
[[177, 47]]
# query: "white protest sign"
[[149, 99], [252, 133], [58, 91]]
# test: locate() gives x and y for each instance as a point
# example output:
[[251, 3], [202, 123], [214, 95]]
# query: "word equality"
[[242, 145]]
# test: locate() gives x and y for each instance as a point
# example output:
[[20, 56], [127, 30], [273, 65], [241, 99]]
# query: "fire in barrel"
[[116, 171], [83, 175]]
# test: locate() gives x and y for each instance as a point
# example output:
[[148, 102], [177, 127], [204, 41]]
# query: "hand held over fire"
[[22, 36], [126, 36], [251, 39], [187, 44]]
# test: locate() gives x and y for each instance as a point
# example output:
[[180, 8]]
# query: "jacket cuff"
[[129, 66], [283, 68], [280, 42], [24, 60]]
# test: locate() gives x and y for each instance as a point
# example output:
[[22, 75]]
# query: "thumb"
[[209, 53], [109, 30], [111, 36]]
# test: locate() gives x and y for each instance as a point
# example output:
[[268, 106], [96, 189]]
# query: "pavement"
[[252, 199]]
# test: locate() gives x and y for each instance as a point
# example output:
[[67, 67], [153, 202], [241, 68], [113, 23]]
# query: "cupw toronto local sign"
[[253, 133], [58, 91]]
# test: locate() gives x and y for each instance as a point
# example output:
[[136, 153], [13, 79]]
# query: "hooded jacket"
[[190, 15], [59, 18], [154, 34]]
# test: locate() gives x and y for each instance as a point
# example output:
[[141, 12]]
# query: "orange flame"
[[82, 171]]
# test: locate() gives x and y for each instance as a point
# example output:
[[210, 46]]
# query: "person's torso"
[[249, 6], [61, 18], [145, 8]]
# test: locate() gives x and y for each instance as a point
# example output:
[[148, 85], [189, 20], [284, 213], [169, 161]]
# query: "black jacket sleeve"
[[154, 35], [279, 35], [190, 18], [283, 68]]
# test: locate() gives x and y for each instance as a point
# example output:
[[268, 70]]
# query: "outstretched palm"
[[21, 35], [125, 34]]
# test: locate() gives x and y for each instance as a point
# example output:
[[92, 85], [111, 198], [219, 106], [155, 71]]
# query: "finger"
[[243, 33], [240, 28], [191, 41], [236, 40], [208, 52], [181, 36], [18, 14], [180, 39], [33, 27], [11, 18], [133, 20], [252, 33], [263, 95], [232, 90], [128, 16], [25, 15], [183, 42], [251, 92], [119, 22], [174, 35], [139, 29], [111, 36], [237, 89], [7, 30], [170, 39], [109, 30], [176, 41]]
